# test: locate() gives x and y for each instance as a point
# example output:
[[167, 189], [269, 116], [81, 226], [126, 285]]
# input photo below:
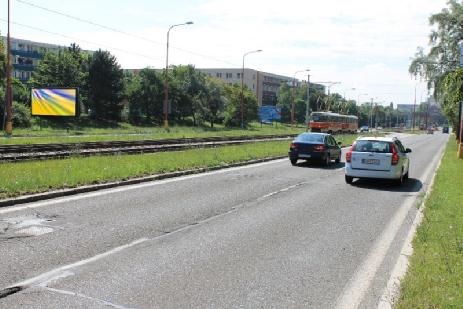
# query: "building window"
[[253, 76], [219, 75], [238, 75], [228, 75], [253, 86]]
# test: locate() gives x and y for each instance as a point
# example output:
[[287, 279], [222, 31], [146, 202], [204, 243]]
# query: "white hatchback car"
[[377, 157]]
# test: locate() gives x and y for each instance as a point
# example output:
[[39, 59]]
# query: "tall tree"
[[443, 56], [106, 87], [215, 100], [187, 95], [145, 93], [233, 109]]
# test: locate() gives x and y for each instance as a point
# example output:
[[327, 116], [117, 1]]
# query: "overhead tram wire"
[[82, 20], [77, 40]]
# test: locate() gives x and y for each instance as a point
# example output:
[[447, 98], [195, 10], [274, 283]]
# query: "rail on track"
[[14, 153]]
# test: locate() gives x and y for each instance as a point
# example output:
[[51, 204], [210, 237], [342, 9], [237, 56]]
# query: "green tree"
[[451, 94], [145, 93], [284, 102], [215, 100], [105, 87], [232, 114], [443, 57], [187, 93]]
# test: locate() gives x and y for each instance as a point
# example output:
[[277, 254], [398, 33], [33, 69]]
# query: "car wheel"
[[338, 159], [293, 161], [349, 179], [327, 160], [400, 180]]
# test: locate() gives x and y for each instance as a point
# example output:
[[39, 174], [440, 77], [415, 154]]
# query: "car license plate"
[[305, 156], [370, 161]]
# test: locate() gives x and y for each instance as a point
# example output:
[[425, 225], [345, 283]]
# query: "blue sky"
[[364, 44]]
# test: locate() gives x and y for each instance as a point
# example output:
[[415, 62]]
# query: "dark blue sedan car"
[[315, 146]]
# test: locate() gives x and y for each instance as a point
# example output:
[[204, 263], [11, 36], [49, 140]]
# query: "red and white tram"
[[328, 122]]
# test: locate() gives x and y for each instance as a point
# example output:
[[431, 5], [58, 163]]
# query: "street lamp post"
[[242, 86], [8, 95], [166, 83], [358, 97], [345, 99], [414, 107], [307, 105], [293, 95]]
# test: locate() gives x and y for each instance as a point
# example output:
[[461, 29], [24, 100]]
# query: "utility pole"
[[371, 113], [307, 106], [9, 92]]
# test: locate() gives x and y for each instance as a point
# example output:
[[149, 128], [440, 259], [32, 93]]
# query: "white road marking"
[[129, 187], [393, 285], [101, 301], [64, 271], [358, 285]]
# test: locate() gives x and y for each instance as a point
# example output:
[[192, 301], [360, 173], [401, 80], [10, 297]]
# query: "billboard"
[[269, 113], [54, 102]]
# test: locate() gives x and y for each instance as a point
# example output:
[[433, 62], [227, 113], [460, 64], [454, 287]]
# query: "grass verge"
[[435, 275], [40, 176]]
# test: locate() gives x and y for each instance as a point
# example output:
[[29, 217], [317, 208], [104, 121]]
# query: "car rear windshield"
[[310, 138], [373, 146]]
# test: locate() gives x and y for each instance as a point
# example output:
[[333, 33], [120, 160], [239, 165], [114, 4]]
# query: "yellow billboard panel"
[[54, 102]]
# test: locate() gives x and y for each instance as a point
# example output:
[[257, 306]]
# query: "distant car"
[[379, 128], [315, 147], [430, 130], [364, 129], [377, 157], [445, 129]]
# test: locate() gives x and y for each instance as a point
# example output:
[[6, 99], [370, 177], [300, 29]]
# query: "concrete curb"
[[90, 188], [392, 291]]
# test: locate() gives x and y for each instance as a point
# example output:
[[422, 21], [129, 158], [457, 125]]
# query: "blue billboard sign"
[[269, 113]]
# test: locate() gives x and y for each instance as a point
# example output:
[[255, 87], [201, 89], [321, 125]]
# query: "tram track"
[[28, 152]]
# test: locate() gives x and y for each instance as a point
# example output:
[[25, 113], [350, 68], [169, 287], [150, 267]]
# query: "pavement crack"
[[10, 291]]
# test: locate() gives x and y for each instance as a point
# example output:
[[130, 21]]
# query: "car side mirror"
[[408, 150], [339, 143]]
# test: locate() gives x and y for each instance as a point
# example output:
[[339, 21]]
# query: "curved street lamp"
[[292, 95], [242, 85], [166, 83]]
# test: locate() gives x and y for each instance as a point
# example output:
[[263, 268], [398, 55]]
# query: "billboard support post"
[[460, 135], [460, 118]]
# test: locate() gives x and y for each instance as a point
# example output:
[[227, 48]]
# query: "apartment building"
[[26, 55], [264, 85]]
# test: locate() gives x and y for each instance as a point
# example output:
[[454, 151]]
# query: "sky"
[[364, 45]]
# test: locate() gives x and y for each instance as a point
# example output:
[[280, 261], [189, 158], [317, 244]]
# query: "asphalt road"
[[264, 236]]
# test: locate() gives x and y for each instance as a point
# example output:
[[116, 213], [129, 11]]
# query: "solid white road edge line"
[[358, 285], [62, 272], [130, 187], [392, 290]]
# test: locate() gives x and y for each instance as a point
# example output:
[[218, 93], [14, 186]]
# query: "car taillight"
[[349, 153], [319, 148], [293, 146], [395, 156]]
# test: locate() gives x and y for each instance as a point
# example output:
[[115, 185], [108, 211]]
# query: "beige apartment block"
[[264, 85]]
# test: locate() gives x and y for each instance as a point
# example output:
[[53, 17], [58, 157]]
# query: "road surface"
[[269, 235]]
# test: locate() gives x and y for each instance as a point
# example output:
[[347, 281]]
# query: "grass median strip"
[[39, 176], [434, 278]]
